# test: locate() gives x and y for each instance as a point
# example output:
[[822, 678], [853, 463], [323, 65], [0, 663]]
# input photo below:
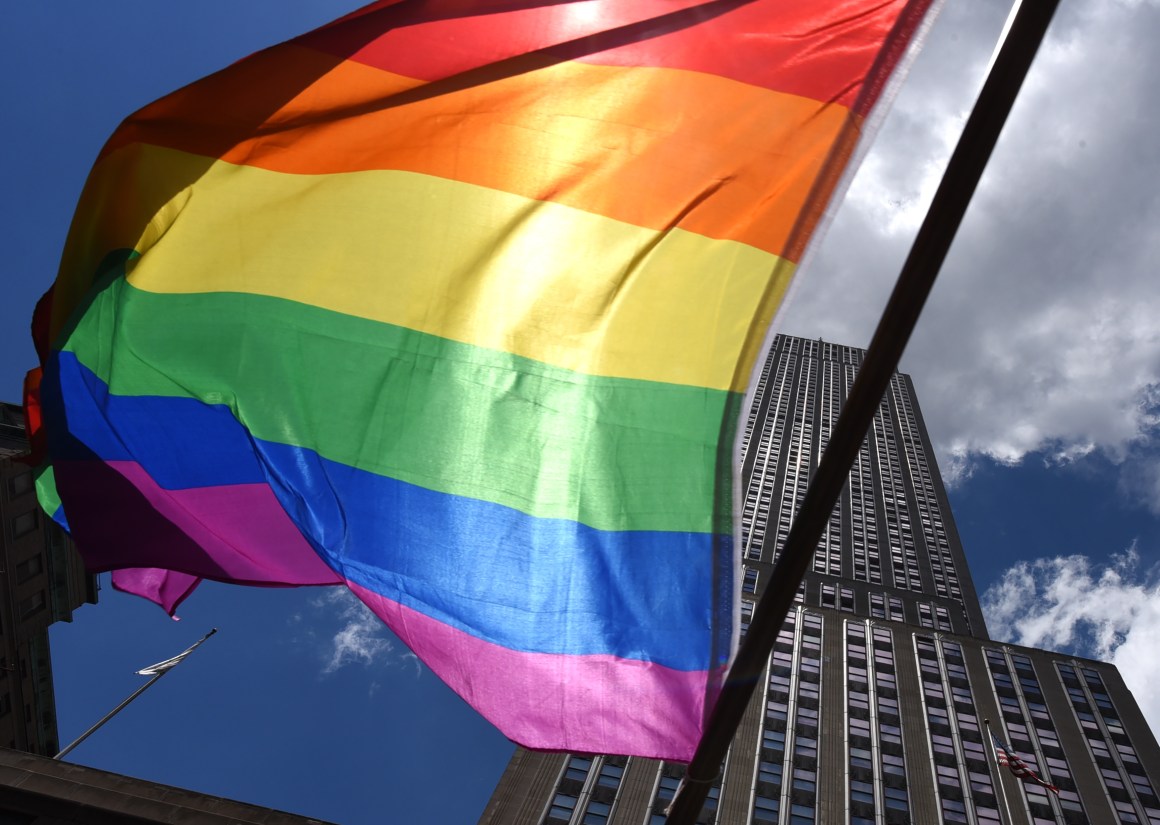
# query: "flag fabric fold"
[[1013, 762], [456, 305]]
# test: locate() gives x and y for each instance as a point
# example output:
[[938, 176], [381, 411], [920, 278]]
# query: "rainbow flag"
[[455, 304]]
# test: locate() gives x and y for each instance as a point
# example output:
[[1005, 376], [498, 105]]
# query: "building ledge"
[[38, 790]]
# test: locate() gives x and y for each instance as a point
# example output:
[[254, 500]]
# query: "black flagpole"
[[162, 669], [894, 328]]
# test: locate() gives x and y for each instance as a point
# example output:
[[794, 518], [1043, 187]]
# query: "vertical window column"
[[799, 456], [876, 768], [759, 493], [867, 565], [1014, 730], [669, 779], [571, 784], [771, 755], [828, 556], [953, 755], [800, 795], [1108, 743], [904, 560]]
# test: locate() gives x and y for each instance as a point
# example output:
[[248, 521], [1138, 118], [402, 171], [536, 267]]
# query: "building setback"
[[42, 580], [873, 704]]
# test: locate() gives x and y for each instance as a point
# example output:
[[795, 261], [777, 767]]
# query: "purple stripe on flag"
[[163, 587], [236, 533], [585, 703]]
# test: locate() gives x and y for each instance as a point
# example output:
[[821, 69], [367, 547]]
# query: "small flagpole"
[[998, 773], [160, 670]]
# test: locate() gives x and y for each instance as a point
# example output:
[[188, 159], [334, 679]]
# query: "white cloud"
[[362, 638], [1067, 603], [411, 659], [1042, 335]]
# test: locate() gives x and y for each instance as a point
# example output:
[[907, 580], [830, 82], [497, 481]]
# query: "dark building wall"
[[874, 703], [39, 791], [42, 580]]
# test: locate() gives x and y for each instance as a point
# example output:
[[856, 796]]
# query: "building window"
[[769, 772], [861, 791], [668, 787], [801, 815], [577, 768], [954, 811], [597, 813], [764, 809], [896, 799], [27, 569], [18, 485], [610, 776], [773, 740], [805, 747], [804, 780], [746, 616], [32, 605], [562, 807], [23, 524], [712, 799]]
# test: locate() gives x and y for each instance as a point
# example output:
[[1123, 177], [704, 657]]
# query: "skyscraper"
[[875, 705]]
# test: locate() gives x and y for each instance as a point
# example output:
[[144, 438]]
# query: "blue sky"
[[1037, 366]]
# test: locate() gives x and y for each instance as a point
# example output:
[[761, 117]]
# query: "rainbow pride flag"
[[455, 304]]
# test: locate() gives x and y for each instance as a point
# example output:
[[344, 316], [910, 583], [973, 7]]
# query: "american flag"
[[1005, 756]]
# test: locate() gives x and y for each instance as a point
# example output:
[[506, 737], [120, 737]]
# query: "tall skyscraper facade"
[[875, 705]]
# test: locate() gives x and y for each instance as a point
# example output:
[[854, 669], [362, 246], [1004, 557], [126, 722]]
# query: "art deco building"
[[42, 580], [872, 708]]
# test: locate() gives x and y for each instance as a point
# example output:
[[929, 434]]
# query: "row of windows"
[[867, 565], [957, 743], [586, 790], [1132, 795], [755, 513], [1026, 725], [828, 557], [789, 733], [903, 556], [799, 455], [759, 392], [874, 725], [941, 562]]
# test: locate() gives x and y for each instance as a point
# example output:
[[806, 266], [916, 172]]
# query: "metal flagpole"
[[998, 772], [158, 670], [897, 322]]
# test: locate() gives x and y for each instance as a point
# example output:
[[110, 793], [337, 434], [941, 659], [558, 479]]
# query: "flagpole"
[[998, 773], [882, 356], [132, 696]]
